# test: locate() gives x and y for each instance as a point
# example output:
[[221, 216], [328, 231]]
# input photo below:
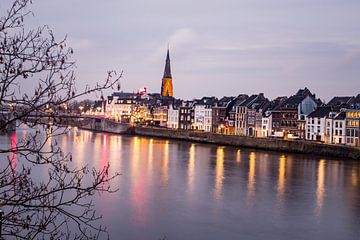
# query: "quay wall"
[[105, 125], [272, 144]]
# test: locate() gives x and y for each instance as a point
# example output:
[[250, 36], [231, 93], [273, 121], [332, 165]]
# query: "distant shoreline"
[[270, 144]]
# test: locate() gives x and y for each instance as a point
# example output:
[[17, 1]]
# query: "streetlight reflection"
[[320, 190], [219, 178]]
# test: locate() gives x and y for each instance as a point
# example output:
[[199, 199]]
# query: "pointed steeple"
[[166, 84], [167, 71]]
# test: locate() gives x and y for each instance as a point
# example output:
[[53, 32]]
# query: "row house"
[[186, 115], [160, 115], [248, 116], [336, 128], [353, 127], [266, 121], [203, 114], [335, 123], [120, 106], [289, 117], [232, 113], [316, 124], [353, 122], [173, 116], [220, 113]]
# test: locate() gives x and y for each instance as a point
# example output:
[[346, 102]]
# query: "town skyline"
[[215, 49]]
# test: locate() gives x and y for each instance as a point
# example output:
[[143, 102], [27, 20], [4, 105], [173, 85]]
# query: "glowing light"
[[251, 179], [219, 178], [282, 178], [165, 164], [191, 167], [238, 156], [320, 190]]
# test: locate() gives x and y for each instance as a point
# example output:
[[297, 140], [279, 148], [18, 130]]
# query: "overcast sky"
[[217, 48]]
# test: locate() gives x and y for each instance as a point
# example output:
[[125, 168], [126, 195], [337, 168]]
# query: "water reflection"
[[165, 188], [191, 168], [238, 156], [281, 179], [320, 190], [139, 193], [150, 157], [219, 172], [251, 178], [165, 164]]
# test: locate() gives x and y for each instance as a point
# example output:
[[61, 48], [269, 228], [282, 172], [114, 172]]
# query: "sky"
[[217, 48]]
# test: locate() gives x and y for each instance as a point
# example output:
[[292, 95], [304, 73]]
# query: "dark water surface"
[[181, 190]]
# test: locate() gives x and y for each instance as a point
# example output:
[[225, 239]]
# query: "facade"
[[248, 116], [231, 119], [120, 107], [337, 132], [266, 123], [160, 115], [353, 127], [166, 84], [203, 114], [219, 115], [173, 117], [316, 123], [186, 115], [288, 118]]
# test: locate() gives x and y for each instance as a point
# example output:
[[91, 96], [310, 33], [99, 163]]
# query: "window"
[[336, 124], [336, 132], [341, 124], [319, 121]]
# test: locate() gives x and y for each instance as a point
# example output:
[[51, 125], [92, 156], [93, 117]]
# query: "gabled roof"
[[238, 101], [248, 101], [224, 101], [295, 100], [355, 102], [338, 102], [208, 101], [277, 102], [320, 112]]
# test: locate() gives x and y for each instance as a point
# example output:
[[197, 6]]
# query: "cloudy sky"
[[217, 48]]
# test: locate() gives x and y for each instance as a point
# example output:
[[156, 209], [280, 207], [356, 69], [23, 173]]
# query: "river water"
[[181, 190]]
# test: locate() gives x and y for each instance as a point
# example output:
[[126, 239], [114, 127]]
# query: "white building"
[[173, 117], [199, 117], [266, 125], [203, 114], [120, 106], [315, 127], [335, 128]]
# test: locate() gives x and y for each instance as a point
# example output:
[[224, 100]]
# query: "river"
[[182, 190]]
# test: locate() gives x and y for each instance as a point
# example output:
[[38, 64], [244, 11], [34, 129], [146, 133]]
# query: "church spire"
[[167, 71], [166, 85]]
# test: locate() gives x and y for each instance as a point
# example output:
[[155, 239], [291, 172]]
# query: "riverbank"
[[272, 144]]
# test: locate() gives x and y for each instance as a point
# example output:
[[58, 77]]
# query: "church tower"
[[166, 85]]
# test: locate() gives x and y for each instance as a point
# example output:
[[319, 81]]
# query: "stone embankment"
[[304, 147]]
